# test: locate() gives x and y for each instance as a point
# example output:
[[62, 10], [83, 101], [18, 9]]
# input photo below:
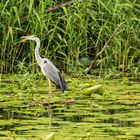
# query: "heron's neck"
[[37, 55]]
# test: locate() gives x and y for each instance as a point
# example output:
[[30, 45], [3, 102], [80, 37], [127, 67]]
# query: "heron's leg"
[[50, 90], [49, 105]]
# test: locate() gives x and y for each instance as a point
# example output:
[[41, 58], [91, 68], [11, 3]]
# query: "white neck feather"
[[37, 55]]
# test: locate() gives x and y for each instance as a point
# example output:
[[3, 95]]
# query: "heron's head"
[[32, 37]]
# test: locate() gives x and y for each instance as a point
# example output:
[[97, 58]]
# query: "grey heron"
[[47, 67]]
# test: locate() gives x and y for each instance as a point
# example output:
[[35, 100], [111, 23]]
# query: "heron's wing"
[[53, 74]]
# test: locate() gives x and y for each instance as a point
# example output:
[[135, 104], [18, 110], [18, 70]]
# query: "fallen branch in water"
[[66, 102], [105, 46]]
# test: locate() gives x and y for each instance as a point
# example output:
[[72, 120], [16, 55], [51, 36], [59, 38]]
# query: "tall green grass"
[[72, 33]]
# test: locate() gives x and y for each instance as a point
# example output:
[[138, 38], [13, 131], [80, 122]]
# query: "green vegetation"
[[111, 114], [72, 33], [71, 37]]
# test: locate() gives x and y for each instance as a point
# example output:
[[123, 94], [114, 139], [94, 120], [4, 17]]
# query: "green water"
[[112, 113]]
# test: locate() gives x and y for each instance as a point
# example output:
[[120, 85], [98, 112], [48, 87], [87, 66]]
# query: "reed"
[[71, 33]]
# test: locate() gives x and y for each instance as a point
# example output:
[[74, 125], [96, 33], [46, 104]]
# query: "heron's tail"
[[63, 84]]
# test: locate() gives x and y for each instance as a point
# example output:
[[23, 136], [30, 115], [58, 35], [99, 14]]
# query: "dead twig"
[[105, 46], [51, 9]]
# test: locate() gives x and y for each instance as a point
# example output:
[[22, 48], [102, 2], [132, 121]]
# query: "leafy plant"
[[26, 79], [70, 33]]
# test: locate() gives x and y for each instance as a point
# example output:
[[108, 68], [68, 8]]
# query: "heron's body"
[[51, 72], [47, 67]]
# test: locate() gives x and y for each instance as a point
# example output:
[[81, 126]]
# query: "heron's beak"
[[24, 38]]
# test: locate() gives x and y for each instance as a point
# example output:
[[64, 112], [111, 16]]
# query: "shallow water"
[[111, 113]]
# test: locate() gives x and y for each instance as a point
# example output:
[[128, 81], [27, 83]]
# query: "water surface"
[[111, 113]]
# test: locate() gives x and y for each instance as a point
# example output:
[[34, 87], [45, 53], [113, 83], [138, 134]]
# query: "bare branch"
[[51, 9], [116, 31]]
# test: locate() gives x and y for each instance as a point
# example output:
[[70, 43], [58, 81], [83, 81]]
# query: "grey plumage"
[[50, 71]]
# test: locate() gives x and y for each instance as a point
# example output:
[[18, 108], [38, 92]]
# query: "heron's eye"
[[45, 61]]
